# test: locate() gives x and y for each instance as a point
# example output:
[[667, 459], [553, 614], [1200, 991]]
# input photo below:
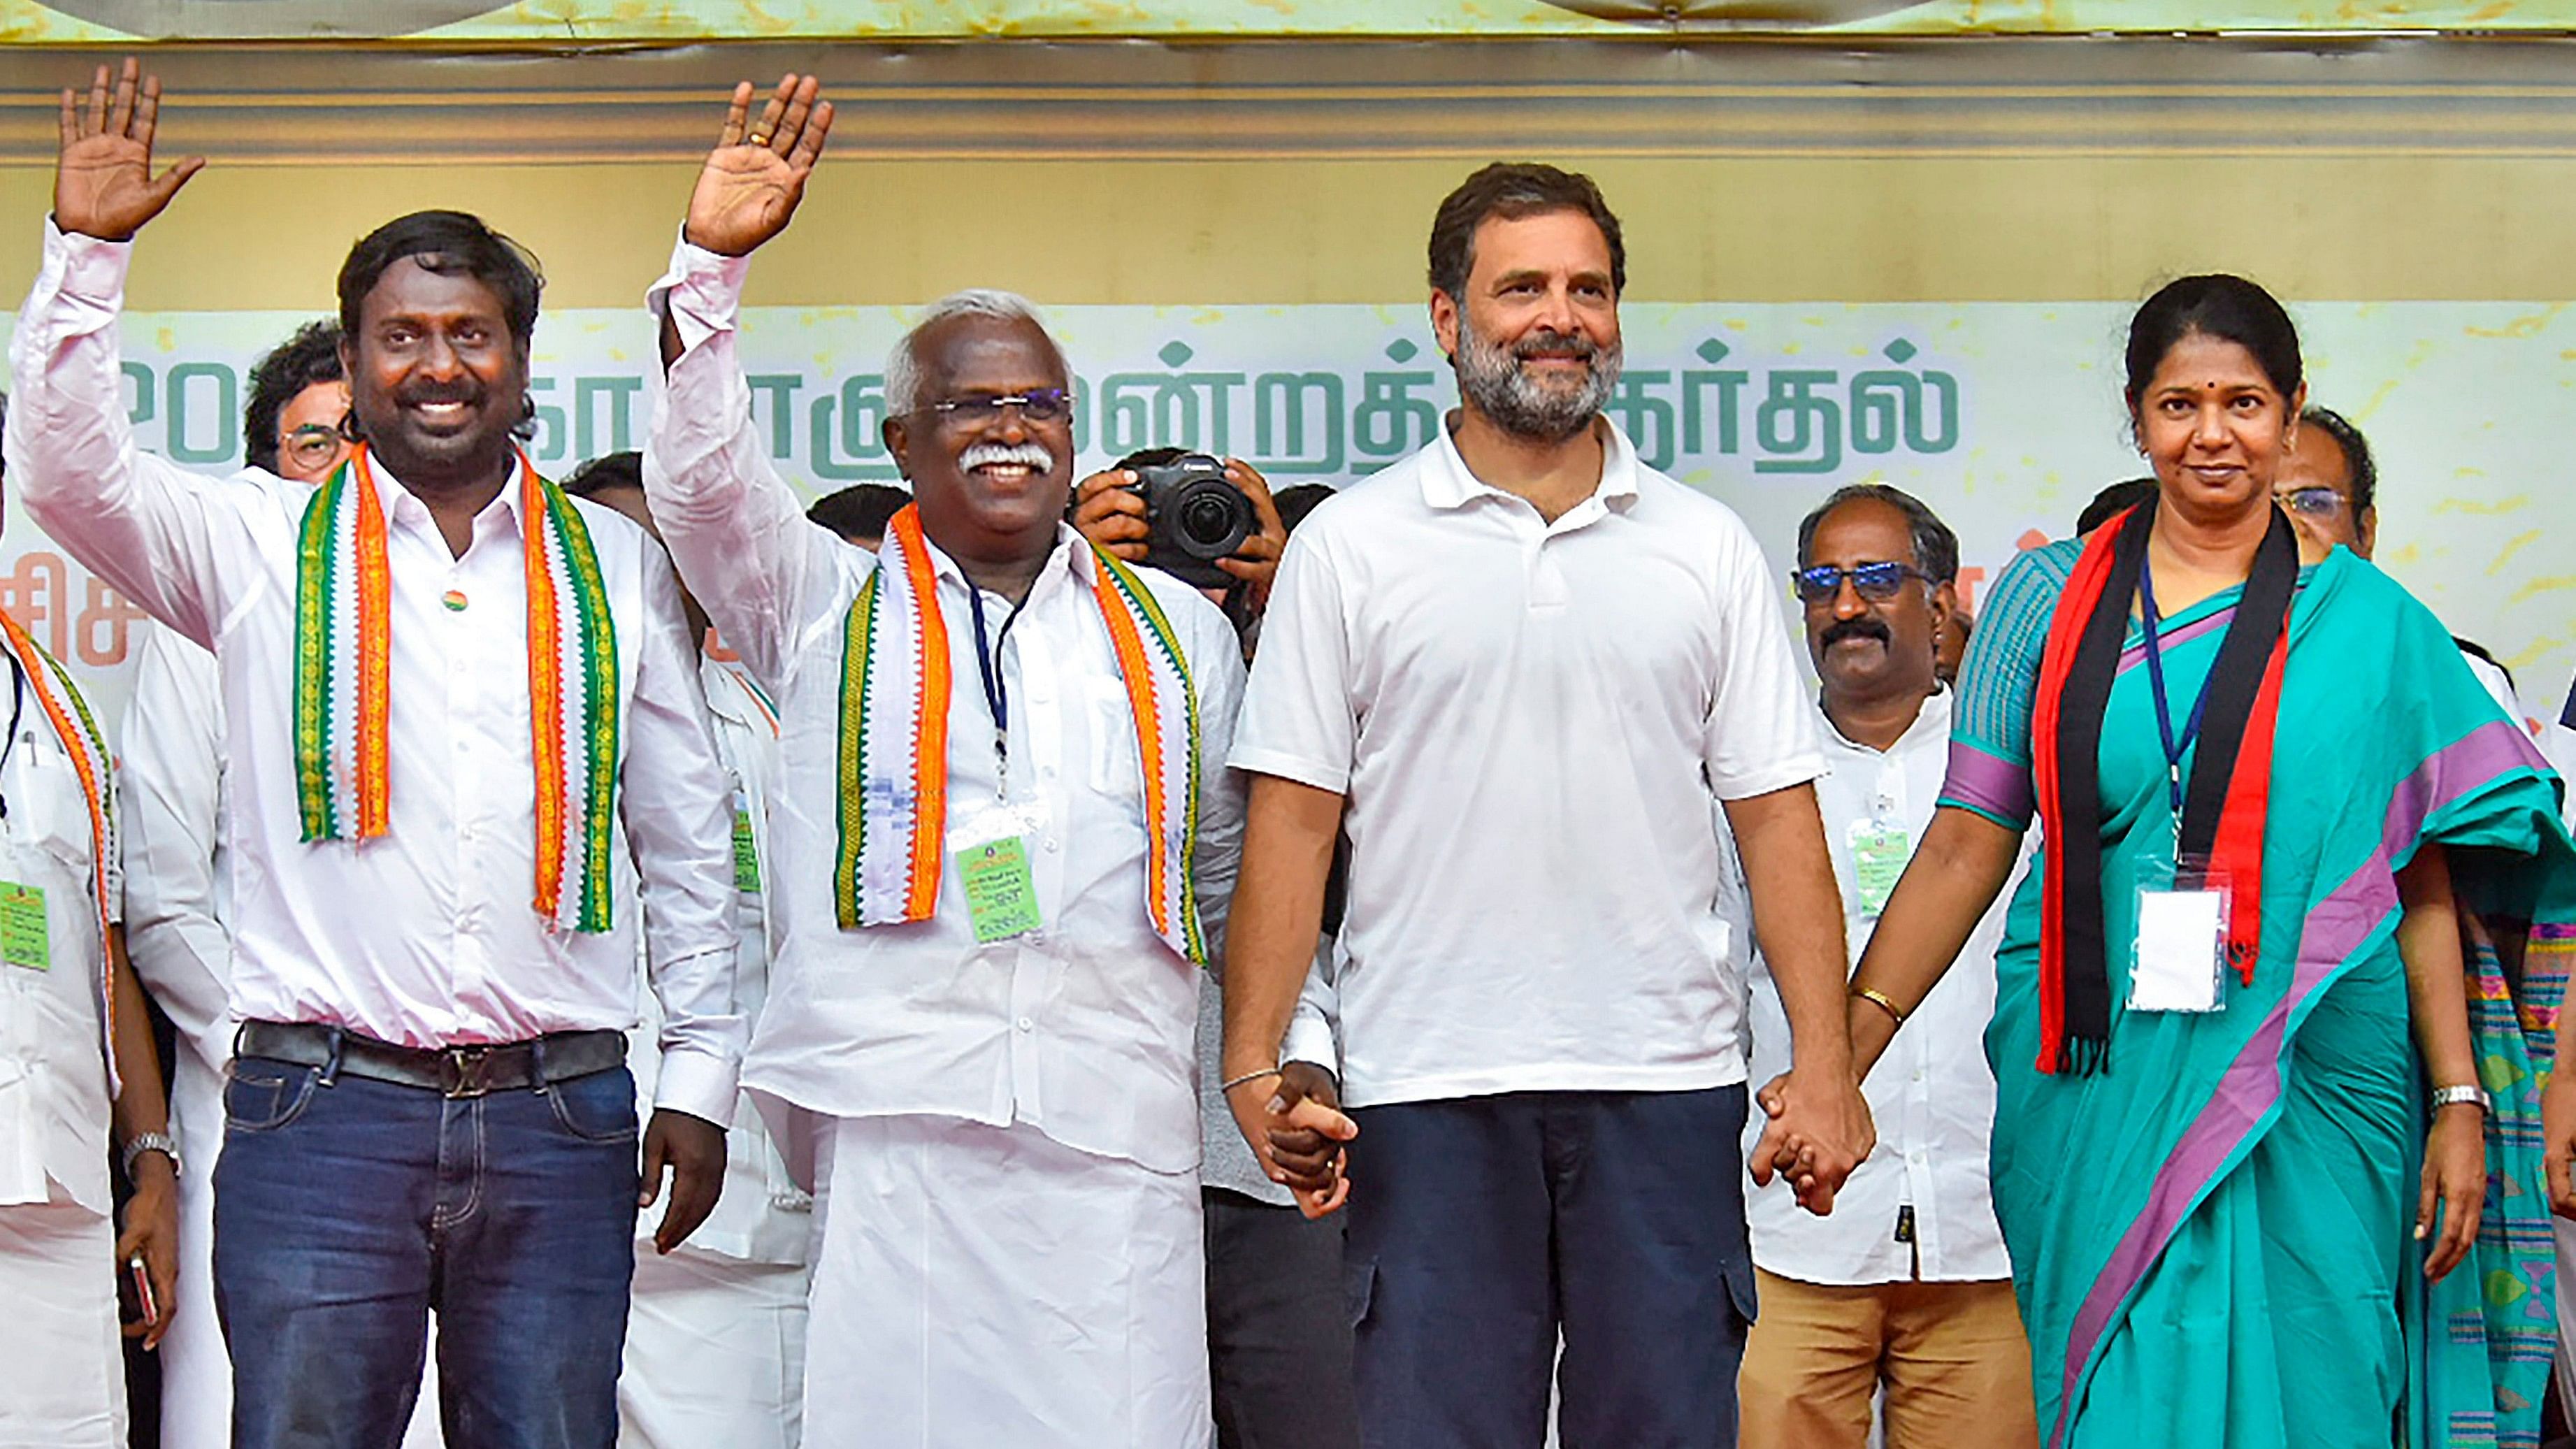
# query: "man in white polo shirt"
[[1518, 667], [1906, 1286]]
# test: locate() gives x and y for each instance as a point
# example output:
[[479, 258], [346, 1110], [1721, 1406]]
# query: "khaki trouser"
[[1952, 1356]]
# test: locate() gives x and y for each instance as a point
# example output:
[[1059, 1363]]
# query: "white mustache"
[[1032, 456]]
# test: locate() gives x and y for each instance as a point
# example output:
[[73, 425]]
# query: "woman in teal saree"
[[2280, 781]]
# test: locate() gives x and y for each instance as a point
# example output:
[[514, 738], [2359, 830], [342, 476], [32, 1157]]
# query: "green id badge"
[[746, 851], [1878, 855], [1001, 895], [24, 941]]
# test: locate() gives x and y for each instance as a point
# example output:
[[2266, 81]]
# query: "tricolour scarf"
[[344, 646], [2224, 801], [893, 760], [72, 723]]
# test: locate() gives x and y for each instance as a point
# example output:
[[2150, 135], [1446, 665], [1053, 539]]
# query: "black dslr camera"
[[1196, 513]]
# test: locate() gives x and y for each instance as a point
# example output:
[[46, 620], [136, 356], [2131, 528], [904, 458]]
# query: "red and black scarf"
[[2224, 801]]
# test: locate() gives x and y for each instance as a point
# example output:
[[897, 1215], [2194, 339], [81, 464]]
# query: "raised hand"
[[755, 176], [103, 181]]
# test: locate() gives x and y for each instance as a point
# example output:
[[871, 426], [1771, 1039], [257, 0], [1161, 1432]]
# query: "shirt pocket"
[[45, 803], [1110, 721]]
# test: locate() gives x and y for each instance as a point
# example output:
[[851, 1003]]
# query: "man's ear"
[[1444, 324], [898, 443], [2365, 528]]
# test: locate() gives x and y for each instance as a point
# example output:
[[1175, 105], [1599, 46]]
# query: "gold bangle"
[[1879, 1000], [1227, 1087]]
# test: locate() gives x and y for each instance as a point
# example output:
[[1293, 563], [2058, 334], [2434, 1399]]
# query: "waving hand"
[[103, 182], [755, 176]]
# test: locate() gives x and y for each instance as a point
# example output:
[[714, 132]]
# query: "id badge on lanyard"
[[2180, 949], [989, 850]]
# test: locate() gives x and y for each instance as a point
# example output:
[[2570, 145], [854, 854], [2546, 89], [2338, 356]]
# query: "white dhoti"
[[62, 1369], [978, 1286], [715, 1354], [196, 1373]]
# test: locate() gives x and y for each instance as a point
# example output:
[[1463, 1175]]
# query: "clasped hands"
[[1293, 1121], [1820, 1131]]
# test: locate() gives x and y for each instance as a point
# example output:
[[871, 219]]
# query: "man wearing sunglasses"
[[1004, 836], [1906, 1287]]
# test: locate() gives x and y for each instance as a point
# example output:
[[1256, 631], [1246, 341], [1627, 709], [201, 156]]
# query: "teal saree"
[[2212, 1239]]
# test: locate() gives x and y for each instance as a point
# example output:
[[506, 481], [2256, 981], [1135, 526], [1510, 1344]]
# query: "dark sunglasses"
[[1877, 582]]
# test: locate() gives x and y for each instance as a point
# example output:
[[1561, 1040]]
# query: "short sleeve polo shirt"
[[1529, 721]]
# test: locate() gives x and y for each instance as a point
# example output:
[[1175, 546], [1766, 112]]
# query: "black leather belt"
[[457, 1071]]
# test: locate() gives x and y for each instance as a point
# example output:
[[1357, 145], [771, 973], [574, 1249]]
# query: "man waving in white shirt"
[[1004, 837], [440, 677], [1906, 1286]]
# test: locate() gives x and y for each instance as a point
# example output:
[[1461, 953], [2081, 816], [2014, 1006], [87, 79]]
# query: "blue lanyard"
[[997, 692], [2174, 749]]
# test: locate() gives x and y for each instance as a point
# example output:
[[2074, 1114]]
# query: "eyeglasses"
[[313, 445], [2315, 502], [1877, 582], [1038, 405]]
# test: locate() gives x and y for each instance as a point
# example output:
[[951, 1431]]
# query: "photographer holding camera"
[[1279, 1334], [1207, 522]]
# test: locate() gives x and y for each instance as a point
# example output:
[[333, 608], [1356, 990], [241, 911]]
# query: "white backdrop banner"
[[2005, 417]]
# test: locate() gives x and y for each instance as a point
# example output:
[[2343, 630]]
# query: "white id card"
[[2182, 945]]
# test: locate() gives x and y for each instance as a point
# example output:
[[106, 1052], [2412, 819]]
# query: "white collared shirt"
[[171, 790], [426, 937], [762, 1215], [53, 1054], [1081, 1028], [1932, 1095], [1530, 721]]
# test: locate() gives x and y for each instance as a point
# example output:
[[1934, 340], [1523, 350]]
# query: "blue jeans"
[[1483, 1227], [346, 1210]]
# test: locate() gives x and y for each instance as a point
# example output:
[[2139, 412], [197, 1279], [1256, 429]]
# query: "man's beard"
[[1490, 376]]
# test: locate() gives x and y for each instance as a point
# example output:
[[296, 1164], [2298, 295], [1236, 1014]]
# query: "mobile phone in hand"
[[135, 1302]]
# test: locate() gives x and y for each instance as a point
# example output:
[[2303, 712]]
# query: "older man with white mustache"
[[1005, 837]]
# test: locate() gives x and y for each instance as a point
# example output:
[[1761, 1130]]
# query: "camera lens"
[[1210, 521]]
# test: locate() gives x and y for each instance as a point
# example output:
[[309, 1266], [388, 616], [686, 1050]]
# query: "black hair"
[[1295, 502], [2228, 308], [2356, 454], [1936, 548], [860, 511], [2116, 499], [447, 243], [2472, 647], [608, 470], [310, 357], [1511, 190]]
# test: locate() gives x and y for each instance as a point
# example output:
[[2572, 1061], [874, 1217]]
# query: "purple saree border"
[[2136, 654], [1987, 782], [2251, 1086]]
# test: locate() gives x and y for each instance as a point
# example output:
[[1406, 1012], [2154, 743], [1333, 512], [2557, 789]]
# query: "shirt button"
[[1050, 845], [1025, 1024]]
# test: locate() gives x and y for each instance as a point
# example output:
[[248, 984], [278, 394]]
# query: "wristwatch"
[[2454, 1096], [143, 1142]]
